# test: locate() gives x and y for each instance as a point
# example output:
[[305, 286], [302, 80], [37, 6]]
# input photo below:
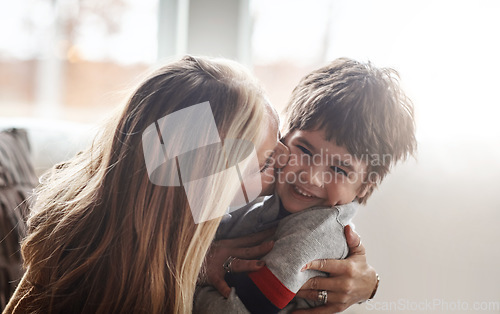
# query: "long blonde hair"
[[103, 238]]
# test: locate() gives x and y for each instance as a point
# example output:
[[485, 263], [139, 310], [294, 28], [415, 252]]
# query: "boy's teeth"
[[301, 192]]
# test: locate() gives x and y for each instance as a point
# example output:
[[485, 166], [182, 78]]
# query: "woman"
[[102, 237]]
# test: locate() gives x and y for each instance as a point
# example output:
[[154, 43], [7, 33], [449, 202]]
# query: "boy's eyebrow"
[[305, 142]]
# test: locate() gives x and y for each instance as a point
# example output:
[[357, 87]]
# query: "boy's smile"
[[319, 173]]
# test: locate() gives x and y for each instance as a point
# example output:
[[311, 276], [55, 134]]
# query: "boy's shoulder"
[[258, 215]]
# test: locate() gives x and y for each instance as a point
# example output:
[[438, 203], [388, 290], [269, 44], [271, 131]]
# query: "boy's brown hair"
[[360, 107]]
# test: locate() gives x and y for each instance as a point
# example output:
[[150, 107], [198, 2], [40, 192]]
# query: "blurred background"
[[432, 228]]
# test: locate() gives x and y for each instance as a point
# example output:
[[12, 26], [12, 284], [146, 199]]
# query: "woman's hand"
[[350, 281], [245, 249]]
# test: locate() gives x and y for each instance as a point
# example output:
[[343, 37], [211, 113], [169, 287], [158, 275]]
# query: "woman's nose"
[[281, 155]]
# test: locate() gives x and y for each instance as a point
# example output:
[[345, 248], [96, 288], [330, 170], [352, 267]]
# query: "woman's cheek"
[[268, 180]]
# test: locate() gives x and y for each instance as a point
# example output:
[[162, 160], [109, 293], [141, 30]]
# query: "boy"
[[347, 124]]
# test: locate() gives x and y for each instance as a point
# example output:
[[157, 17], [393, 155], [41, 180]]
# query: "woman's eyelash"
[[339, 170], [304, 150], [267, 163]]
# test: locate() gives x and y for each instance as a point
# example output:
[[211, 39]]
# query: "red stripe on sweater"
[[271, 287]]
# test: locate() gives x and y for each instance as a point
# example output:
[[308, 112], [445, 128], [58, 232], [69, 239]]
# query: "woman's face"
[[271, 153]]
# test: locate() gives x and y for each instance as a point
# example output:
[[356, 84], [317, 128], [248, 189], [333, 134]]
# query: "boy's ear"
[[363, 189]]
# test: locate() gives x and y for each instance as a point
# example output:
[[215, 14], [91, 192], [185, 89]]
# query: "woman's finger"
[[221, 286], [353, 241], [243, 265], [330, 266], [309, 294], [253, 251], [333, 297], [320, 283]]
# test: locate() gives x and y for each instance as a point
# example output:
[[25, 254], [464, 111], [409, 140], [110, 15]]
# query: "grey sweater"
[[315, 233]]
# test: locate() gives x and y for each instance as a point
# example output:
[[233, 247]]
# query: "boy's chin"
[[293, 201], [293, 210], [292, 205]]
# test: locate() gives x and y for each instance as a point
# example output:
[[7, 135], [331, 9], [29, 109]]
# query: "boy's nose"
[[317, 178], [313, 176]]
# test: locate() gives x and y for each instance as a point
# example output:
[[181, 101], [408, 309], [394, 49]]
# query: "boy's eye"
[[339, 170], [304, 150]]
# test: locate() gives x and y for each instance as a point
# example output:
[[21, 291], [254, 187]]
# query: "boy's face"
[[319, 173]]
